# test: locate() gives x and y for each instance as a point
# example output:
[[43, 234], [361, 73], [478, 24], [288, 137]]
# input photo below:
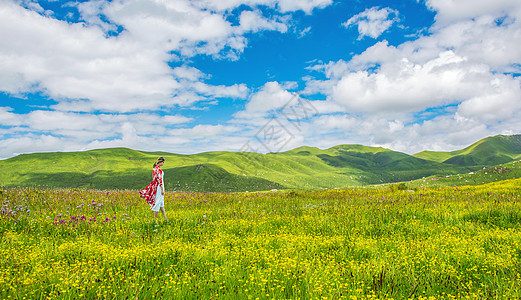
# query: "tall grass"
[[446, 243]]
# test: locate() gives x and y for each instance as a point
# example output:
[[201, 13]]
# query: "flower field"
[[363, 243]]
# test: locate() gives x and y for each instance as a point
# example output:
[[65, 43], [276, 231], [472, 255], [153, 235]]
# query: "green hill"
[[487, 152], [383, 165], [223, 171]]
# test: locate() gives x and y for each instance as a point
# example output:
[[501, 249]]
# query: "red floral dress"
[[149, 193]]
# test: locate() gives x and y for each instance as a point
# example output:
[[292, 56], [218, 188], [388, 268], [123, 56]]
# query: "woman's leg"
[[164, 213], [155, 216]]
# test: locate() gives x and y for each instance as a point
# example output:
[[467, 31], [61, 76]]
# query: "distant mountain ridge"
[[224, 171]]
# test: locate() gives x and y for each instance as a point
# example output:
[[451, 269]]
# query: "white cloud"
[[128, 133], [70, 61], [449, 11], [503, 103], [403, 86], [270, 97], [305, 5], [168, 25], [373, 21], [395, 126], [483, 40], [283, 6], [87, 127], [32, 5], [335, 122], [174, 119], [91, 11], [253, 21], [189, 73], [234, 91], [204, 131], [7, 118]]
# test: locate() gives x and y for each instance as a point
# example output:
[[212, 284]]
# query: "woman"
[[154, 193]]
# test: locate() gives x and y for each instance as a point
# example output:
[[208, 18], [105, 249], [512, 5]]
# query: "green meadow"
[[349, 222], [359, 243], [302, 168]]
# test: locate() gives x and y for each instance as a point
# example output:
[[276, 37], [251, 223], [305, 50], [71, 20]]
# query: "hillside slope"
[[507, 171], [303, 167], [486, 152]]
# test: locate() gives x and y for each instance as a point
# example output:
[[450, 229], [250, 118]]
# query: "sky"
[[261, 76]]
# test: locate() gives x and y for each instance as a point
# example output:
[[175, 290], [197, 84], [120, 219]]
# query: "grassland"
[[511, 170], [359, 243], [301, 168]]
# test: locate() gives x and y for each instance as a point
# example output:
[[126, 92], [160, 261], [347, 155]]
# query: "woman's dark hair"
[[160, 159]]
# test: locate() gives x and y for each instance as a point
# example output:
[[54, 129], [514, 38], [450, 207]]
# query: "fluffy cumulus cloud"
[[253, 21], [373, 21], [267, 99], [405, 86], [449, 11]]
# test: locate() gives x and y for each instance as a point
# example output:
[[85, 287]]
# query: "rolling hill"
[[486, 152], [222, 171]]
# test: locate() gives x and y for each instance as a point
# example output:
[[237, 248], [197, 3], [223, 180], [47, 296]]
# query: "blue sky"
[[257, 75]]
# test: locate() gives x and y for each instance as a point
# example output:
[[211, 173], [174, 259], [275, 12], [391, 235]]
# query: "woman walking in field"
[[154, 193]]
